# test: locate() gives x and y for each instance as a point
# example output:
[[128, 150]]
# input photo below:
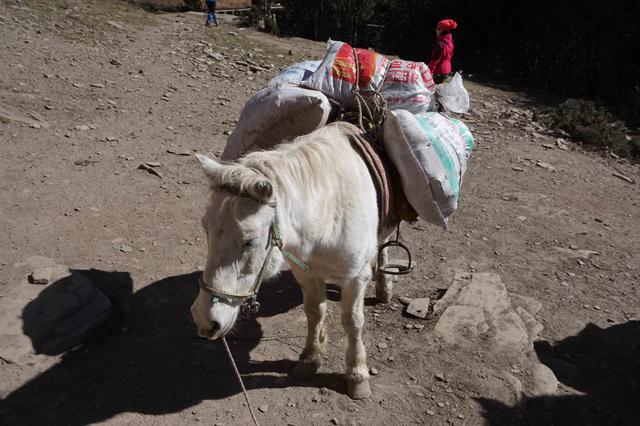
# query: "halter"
[[248, 300]]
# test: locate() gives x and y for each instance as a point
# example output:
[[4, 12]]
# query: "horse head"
[[239, 225]]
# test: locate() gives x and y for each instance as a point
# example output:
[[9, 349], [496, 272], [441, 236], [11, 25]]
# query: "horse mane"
[[300, 164]]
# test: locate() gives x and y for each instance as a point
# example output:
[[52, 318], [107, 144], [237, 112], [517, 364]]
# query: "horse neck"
[[305, 184]]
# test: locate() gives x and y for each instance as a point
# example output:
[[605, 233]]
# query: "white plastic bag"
[[430, 152], [410, 86], [295, 73], [274, 115], [453, 96]]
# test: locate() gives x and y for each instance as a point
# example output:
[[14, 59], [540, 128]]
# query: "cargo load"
[[274, 115], [409, 85], [430, 152]]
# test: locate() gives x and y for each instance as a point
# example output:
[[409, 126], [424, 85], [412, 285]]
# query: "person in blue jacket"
[[211, 16]]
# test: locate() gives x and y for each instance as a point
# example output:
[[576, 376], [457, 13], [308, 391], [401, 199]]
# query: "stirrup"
[[395, 268]]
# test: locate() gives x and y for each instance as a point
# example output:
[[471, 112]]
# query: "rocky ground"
[[101, 108]]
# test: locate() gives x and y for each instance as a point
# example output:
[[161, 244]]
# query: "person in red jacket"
[[440, 63]]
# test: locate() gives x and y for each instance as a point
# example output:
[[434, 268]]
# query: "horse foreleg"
[[315, 308], [353, 320], [384, 283]]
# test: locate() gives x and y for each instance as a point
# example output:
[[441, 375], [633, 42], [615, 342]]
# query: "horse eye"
[[248, 243]]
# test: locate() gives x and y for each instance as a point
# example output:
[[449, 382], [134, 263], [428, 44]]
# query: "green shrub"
[[594, 126]]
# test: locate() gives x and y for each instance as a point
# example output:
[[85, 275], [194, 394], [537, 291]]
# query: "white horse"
[[314, 201]]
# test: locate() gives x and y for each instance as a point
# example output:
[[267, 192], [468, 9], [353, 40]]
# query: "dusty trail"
[[89, 91]]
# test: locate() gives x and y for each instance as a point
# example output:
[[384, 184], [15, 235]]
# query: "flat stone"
[[263, 408], [544, 381], [460, 323], [486, 291], [534, 328], [525, 302], [419, 307], [511, 333], [460, 280], [82, 127]]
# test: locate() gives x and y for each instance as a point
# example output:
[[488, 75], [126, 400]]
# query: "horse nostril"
[[215, 327]]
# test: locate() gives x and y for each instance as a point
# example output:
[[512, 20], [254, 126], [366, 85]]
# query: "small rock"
[[152, 163], [115, 24], [441, 404], [545, 166], [418, 326], [373, 371], [561, 144], [382, 345], [439, 377], [405, 300], [408, 326], [125, 248], [82, 128], [517, 169], [115, 62], [334, 421], [232, 33], [431, 412], [40, 275], [97, 85], [263, 408], [419, 308]]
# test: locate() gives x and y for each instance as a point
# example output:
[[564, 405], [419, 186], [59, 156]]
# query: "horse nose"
[[209, 333]]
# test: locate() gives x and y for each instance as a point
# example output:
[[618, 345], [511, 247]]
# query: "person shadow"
[[603, 364], [148, 359]]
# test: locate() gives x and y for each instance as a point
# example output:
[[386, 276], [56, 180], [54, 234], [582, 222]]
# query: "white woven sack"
[[430, 152], [274, 115], [410, 86]]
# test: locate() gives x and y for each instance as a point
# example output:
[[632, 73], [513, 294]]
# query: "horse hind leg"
[[384, 283], [357, 373], [315, 308]]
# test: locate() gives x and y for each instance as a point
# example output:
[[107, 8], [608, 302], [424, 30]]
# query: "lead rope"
[[244, 390]]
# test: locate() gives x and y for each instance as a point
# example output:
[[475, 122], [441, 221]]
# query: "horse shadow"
[[602, 363], [148, 359]]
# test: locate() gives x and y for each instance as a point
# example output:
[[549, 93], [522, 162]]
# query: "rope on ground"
[[244, 390]]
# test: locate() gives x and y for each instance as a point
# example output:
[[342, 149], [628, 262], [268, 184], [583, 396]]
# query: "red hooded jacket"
[[441, 55]]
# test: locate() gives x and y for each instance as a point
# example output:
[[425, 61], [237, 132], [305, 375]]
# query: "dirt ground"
[[96, 88]]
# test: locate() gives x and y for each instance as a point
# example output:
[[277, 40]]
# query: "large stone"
[[534, 328], [527, 303], [510, 331], [459, 324], [544, 381], [49, 319], [460, 280], [485, 291], [64, 313]]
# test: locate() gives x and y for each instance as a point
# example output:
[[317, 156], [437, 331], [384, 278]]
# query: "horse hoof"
[[304, 370], [360, 390]]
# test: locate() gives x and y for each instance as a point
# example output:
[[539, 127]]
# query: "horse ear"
[[262, 191], [211, 168]]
